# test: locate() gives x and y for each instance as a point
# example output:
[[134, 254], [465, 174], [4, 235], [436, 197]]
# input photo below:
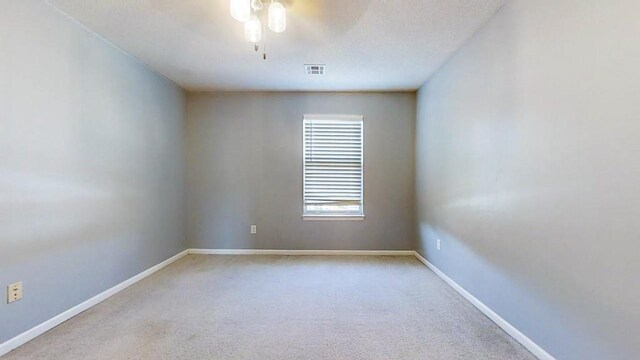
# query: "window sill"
[[333, 217]]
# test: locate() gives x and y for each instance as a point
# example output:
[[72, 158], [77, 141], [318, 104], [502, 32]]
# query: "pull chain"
[[264, 43]]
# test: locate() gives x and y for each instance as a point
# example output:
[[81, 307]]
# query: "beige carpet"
[[281, 307]]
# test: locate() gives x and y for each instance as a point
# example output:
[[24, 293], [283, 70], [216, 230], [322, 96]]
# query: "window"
[[333, 166]]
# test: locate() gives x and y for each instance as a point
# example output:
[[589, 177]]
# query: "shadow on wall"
[[477, 193], [523, 170], [497, 287]]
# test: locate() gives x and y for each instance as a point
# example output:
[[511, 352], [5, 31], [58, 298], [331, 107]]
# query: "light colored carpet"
[[281, 307]]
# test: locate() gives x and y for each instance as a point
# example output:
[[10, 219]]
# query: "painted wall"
[[91, 165], [245, 167], [528, 170]]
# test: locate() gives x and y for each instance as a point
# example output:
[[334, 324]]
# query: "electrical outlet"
[[14, 292], [254, 229], [438, 244]]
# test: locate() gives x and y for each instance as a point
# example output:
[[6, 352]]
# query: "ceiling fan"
[[247, 11]]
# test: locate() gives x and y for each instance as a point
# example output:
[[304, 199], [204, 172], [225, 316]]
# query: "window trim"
[[346, 216], [333, 217]]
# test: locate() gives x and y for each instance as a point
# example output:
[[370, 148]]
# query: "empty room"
[[320, 179]]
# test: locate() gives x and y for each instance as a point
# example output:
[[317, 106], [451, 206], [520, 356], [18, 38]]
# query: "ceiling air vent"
[[314, 69]]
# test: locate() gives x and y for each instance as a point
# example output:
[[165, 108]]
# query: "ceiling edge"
[[121, 50], [463, 43]]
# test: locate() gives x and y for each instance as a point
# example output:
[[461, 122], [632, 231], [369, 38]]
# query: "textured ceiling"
[[366, 44]]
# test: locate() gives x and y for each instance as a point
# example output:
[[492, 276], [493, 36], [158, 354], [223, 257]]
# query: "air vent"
[[314, 69]]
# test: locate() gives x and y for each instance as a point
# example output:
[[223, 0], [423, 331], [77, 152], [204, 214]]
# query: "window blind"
[[333, 165]]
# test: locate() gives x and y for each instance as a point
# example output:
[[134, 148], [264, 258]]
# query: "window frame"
[[335, 216]]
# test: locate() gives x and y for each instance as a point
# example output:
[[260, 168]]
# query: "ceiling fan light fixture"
[[257, 5], [240, 9], [277, 17], [253, 29]]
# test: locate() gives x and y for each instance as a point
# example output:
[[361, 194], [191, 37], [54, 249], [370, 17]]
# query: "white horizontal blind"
[[333, 165]]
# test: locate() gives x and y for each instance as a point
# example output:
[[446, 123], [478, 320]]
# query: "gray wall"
[[91, 165], [245, 167], [528, 170]]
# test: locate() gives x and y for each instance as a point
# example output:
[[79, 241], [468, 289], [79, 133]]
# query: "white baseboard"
[[534, 348], [302, 252], [59, 319]]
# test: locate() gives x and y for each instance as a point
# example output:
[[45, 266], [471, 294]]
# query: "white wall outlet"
[[438, 244], [254, 229], [14, 292]]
